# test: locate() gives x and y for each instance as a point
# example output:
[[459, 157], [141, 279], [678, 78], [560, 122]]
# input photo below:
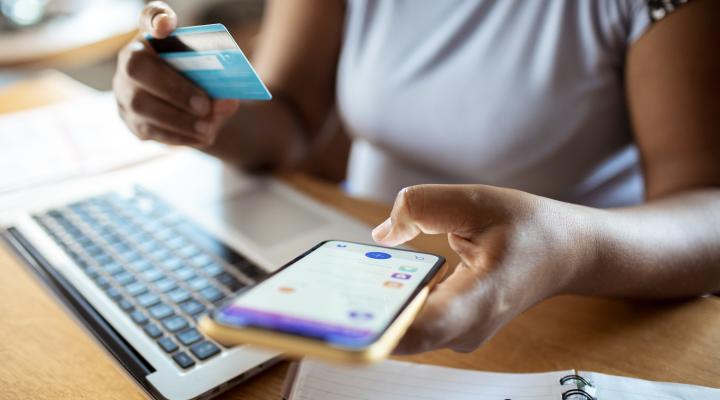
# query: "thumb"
[[158, 19], [428, 209], [225, 108]]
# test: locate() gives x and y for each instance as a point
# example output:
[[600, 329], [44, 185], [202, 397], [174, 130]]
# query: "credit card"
[[210, 57]]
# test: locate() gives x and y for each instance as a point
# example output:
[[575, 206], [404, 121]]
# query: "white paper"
[[71, 139], [622, 388], [394, 380]]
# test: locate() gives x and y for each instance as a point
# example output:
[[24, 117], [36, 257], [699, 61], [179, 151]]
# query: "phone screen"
[[342, 293]]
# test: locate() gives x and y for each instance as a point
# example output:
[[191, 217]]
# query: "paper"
[[394, 380], [66, 140], [622, 388]]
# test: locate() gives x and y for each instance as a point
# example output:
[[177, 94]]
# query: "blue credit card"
[[210, 57]]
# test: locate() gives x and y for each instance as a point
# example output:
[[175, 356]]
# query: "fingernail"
[[136, 46], [200, 104], [156, 18], [382, 230], [202, 127]]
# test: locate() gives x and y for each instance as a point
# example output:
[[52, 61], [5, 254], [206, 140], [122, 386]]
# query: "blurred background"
[[81, 38]]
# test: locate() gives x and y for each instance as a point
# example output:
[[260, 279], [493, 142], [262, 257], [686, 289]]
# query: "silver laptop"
[[139, 255]]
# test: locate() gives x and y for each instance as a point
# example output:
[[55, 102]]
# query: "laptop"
[[138, 255]]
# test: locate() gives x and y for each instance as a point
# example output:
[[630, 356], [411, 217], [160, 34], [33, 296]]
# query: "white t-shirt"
[[514, 93]]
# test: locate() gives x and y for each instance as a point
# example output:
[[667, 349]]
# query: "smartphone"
[[339, 301]]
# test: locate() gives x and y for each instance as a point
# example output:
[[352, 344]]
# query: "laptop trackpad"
[[265, 217]]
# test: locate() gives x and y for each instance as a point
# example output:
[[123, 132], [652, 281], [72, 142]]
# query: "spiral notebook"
[[394, 380]]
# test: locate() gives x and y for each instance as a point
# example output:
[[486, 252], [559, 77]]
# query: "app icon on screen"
[[419, 258], [361, 315], [377, 255], [408, 269], [401, 275], [286, 289], [341, 245], [391, 284]]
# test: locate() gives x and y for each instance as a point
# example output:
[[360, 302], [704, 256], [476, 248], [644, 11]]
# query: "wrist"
[[576, 242]]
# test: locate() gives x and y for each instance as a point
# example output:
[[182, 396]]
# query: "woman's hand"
[[516, 249], [157, 102]]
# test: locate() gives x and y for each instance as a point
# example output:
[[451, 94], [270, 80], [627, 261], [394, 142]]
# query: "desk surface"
[[46, 354]]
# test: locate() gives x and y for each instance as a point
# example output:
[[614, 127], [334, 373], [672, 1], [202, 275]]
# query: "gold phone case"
[[298, 346]]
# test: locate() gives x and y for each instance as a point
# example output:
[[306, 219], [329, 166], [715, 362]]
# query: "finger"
[[158, 134], [149, 108], [225, 107], [158, 19], [428, 209], [447, 314], [145, 69]]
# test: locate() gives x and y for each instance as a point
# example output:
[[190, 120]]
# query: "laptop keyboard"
[[159, 268]]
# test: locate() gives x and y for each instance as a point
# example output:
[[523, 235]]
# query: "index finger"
[[428, 209], [158, 19]]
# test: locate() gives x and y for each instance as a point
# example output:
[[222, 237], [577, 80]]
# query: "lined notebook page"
[[621, 388], [394, 380]]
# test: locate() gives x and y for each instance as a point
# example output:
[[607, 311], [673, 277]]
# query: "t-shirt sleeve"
[[639, 20], [644, 13]]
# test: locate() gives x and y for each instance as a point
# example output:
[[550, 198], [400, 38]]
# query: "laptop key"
[[183, 360], [165, 285], [153, 274], [139, 317], [213, 269], [136, 288], [148, 299], [172, 263], [152, 330], [179, 295], [167, 344], [198, 283], [201, 260], [112, 268], [124, 278], [102, 281], [160, 311], [125, 305], [185, 273], [91, 272], [140, 265], [229, 281], [189, 336], [204, 350], [192, 307], [189, 251], [212, 294], [175, 323], [113, 293]]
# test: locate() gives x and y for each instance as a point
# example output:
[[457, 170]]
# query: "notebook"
[[395, 380]]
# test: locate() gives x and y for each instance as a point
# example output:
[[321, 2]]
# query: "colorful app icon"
[[419, 258], [401, 275], [361, 315], [391, 284], [286, 289], [408, 269], [377, 255], [341, 245]]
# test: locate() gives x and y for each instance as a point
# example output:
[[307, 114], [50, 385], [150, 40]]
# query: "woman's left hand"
[[516, 249]]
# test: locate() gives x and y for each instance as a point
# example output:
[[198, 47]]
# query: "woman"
[[578, 141]]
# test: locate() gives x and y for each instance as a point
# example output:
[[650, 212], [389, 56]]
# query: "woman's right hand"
[[155, 101]]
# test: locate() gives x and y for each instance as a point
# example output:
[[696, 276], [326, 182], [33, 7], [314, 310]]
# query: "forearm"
[[664, 248]]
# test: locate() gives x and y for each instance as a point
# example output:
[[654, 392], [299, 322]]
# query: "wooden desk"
[[45, 354]]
